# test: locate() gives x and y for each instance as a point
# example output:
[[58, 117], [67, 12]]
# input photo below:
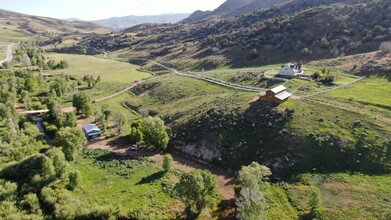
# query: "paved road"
[[9, 55]]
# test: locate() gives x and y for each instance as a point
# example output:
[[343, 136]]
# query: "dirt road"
[[9, 55]]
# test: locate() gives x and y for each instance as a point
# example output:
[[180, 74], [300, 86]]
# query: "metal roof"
[[88, 128], [283, 95], [278, 89]]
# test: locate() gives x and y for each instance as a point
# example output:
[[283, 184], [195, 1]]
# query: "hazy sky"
[[98, 9]]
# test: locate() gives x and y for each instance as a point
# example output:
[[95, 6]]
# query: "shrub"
[[74, 180], [385, 47], [167, 163]]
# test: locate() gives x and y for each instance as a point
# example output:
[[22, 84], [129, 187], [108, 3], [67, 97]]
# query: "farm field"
[[110, 71], [115, 75]]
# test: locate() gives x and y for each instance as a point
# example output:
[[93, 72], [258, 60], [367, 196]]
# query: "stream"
[[39, 124]]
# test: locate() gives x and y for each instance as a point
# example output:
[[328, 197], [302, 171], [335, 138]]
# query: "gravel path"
[[9, 55]]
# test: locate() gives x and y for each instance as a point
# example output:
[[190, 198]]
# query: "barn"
[[92, 131], [275, 95]]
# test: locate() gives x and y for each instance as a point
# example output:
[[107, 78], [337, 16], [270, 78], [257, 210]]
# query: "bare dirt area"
[[225, 180]]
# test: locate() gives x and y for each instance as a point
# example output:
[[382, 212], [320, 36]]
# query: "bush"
[[167, 163], [74, 180], [385, 47]]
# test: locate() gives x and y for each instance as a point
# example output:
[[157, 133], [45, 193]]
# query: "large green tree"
[[81, 101], [155, 132], [252, 176], [71, 140], [198, 189], [250, 191]]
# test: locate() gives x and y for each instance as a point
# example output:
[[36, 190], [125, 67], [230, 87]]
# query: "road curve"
[[9, 55]]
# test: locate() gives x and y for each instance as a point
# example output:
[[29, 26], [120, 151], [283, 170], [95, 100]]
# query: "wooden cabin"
[[275, 95]]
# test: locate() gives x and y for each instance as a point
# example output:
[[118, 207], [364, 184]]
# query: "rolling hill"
[[298, 30], [33, 25], [119, 23], [232, 8]]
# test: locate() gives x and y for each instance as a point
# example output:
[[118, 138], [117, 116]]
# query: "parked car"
[[134, 147]]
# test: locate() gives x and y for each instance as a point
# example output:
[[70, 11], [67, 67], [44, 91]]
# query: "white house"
[[291, 70]]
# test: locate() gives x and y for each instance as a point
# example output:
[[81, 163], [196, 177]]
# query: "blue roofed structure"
[[92, 131]]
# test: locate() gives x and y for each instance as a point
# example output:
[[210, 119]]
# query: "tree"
[[59, 162], [81, 101], [74, 180], [324, 43], [71, 140], [154, 132], [30, 202], [254, 53], [97, 80], [135, 135], [305, 51], [119, 120], [67, 120], [250, 187], [252, 176], [54, 107], [198, 189], [251, 205], [167, 163], [385, 47]]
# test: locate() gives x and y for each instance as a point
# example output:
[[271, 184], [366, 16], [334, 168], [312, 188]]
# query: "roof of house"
[[283, 95], [88, 128], [278, 89]]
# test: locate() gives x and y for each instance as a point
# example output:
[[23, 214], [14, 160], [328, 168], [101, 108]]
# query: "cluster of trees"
[[150, 130], [91, 80], [325, 77], [29, 55]]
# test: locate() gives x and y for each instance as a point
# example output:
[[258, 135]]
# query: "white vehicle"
[[134, 147]]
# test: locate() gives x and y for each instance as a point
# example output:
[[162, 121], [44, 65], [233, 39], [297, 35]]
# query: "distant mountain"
[[72, 19], [232, 8], [42, 25], [118, 23], [298, 30]]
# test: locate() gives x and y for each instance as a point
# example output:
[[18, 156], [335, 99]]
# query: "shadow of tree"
[[151, 178], [225, 210]]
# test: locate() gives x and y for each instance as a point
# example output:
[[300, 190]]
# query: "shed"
[[92, 131], [276, 95]]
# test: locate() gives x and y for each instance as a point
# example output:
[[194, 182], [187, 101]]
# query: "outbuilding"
[[92, 131], [276, 95]]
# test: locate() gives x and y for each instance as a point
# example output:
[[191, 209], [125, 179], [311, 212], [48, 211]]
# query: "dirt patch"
[[224, 179]]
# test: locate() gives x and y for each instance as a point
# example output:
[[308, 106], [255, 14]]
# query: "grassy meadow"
[[110, 71], [115, 75], [131, 185]]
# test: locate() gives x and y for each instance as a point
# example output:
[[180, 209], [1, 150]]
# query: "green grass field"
[[343, 196], [111, 71], [373, 91], [121, 182]]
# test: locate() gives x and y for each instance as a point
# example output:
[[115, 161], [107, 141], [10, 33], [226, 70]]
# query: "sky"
[[100, 9]]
